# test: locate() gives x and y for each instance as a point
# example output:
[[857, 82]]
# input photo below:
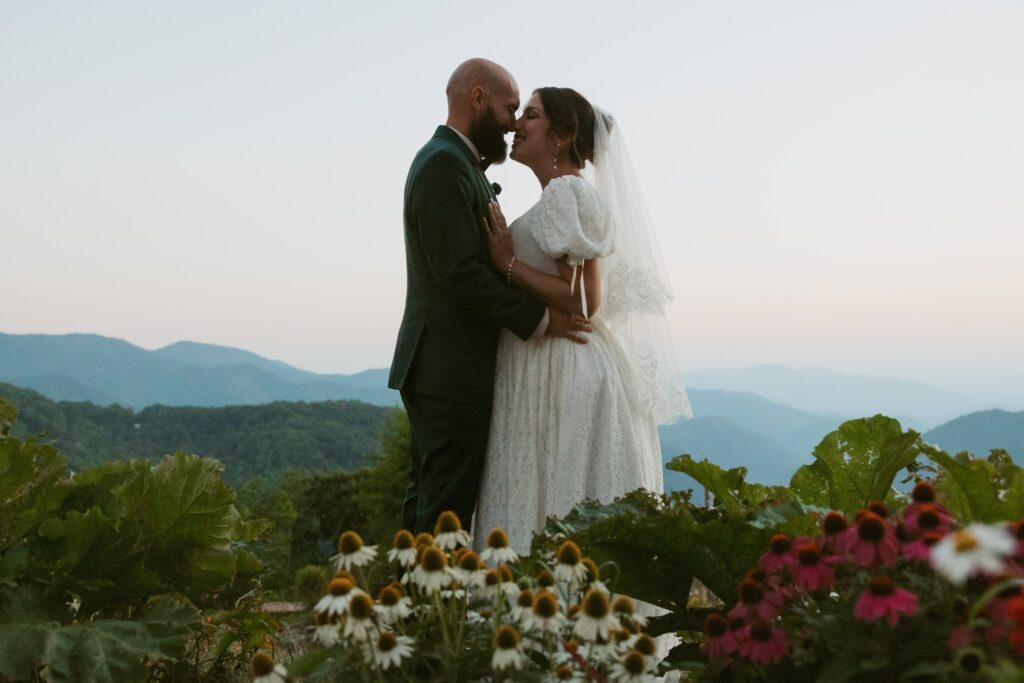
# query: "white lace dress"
[[568, 422]]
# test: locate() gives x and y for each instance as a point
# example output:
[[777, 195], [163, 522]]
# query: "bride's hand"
[[499, 239]]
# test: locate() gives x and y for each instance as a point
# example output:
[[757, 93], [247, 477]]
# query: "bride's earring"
[[554, 161]]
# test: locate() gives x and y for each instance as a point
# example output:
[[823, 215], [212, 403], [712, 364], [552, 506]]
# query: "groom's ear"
[[478, 99]]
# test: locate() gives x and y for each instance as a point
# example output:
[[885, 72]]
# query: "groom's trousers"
[[449, 441]]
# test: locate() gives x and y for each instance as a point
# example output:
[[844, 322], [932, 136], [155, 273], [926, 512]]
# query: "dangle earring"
[[554, 161]]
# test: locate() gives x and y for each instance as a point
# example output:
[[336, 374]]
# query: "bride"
[[572, 421]]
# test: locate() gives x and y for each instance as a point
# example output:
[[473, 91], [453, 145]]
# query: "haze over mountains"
[[767, 418]]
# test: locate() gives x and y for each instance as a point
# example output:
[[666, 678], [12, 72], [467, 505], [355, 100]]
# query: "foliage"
[[307, 512], [660, 544], [113, 567], [250, 440]]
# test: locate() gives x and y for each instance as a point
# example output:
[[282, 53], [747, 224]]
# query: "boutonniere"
[[496, 188]]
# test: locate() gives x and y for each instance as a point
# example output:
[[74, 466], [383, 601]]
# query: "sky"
[[834, 184]]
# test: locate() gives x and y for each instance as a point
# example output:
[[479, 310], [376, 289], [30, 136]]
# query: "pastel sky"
[[837, 184]]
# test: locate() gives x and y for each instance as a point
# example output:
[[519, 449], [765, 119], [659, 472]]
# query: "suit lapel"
[[449, 134]]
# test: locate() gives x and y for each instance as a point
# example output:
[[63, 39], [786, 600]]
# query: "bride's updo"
[[570, 115]]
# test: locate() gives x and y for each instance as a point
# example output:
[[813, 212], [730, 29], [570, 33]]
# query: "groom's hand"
[[568, 325]]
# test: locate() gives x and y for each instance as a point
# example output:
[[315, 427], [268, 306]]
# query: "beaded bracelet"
[[508, 274]]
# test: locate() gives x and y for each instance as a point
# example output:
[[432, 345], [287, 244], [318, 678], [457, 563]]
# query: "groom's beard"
[[489, 137]]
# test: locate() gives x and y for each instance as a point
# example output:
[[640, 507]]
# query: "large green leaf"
[[729, 487], [103, 651], [856, 464], [979, 489], [31, 486]]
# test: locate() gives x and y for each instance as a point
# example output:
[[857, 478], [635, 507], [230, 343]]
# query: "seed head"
[[595, 604], [568, 553], [507, 638], [447, 523], [403, 540], [261, 664], [497, 539], [545, 605], [360, 606], [433, 559], [350, 542]]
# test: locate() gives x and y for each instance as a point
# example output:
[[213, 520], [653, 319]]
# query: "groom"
[[456, 302]]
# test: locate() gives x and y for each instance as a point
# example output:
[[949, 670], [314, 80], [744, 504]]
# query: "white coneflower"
[[645, 645], [403, 549], [393, 604], [264, 670], [448, 533], [625, 610], [352, 552], [492, 585], [470, 571], [595, 619], [498, 550], [432, 572], [633, 668], [522, 611], [508, 582], [339, 592], [545, 614], [977, 549], [390, 649], [568, 568], [593, 578], [359, 619], [506, 649], [326, 632]]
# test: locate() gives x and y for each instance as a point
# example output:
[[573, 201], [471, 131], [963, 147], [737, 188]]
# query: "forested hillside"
[[266, 439]]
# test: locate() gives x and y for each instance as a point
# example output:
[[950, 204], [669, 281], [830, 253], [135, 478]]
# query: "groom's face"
[[488, 131]]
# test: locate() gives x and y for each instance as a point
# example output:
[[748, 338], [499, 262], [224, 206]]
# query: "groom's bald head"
[[483, 98], [478, 73]]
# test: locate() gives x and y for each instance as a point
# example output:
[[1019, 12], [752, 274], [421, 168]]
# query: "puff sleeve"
[[574, 223]]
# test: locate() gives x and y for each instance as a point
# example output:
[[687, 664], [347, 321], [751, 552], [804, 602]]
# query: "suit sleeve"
[[450, 235]]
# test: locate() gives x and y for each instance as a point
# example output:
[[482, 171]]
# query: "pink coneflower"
[[836, 534], [923, 494], [879, 508], [873, 542], [718, 641], [812, 571], [884, 599], [753, 602], [924, 517], [776, 593], [921, 547], [780, 554], [766, 644]]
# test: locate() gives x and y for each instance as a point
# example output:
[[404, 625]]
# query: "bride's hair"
[[570, 115]]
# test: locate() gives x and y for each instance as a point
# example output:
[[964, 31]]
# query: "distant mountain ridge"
[[821, 391], [104, 370], [981, 432], [742, 416]]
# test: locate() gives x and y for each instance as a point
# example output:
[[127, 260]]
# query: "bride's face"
[[532, 143]]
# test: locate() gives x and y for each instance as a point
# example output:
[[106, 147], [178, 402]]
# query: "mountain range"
[[767, 418]]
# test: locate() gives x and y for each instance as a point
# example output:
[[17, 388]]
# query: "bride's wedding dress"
[[569, 421]]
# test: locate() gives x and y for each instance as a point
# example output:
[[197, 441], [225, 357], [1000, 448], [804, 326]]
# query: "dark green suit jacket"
[[456, 302]]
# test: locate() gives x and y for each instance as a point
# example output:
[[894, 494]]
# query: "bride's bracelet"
[[508, 273]]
